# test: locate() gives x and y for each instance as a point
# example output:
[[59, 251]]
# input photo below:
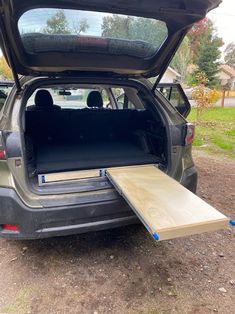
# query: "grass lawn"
[[216, 130]]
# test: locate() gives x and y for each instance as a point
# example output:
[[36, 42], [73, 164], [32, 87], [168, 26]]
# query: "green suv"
[[87, 97]]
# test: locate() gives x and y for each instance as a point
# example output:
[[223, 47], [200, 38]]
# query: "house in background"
[[226, 76], [170, 76]]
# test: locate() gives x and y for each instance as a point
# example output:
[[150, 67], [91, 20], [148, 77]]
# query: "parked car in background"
[[5, 87]]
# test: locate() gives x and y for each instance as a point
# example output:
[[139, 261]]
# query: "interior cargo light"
[[190, 133], [9, 227]]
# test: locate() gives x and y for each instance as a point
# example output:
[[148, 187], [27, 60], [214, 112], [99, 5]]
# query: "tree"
[[5, 71], [80, 26], [116, 26], [200, 47], [196, 35], [134, 28], [209, 54], [229, 54], [152, 31], [57, 24], [182, 59], [204, 98], [205, 44]]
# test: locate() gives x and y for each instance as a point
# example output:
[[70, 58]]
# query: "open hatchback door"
[[132, 38]]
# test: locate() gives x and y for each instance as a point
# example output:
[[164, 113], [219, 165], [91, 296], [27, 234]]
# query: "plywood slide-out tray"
[[166, 208]]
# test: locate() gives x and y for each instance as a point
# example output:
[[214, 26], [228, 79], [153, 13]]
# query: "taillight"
[[2, 150], [2, 154], [190, 133], [9, 227]]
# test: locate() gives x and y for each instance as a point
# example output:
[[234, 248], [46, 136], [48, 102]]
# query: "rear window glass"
[[48, 29], [127, 98]]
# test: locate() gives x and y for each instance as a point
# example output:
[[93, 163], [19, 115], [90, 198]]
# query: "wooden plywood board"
[[167, 209], [70, 175]]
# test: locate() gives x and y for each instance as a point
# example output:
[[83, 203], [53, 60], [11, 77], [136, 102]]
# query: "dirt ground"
[[124, 270]]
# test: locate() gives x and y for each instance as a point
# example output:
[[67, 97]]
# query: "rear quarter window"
[[127, 98]]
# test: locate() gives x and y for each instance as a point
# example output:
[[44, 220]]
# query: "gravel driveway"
[[124, 270]]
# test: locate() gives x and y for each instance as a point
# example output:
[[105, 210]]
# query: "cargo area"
[[91, 138]]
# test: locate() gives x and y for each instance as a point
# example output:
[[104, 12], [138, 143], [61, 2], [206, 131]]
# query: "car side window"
[[176, 96], [172, 94], [122, 99], [3, 97], [124, 103]]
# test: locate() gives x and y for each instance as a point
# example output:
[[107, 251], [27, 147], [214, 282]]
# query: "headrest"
[[43, 98], [94, 100]]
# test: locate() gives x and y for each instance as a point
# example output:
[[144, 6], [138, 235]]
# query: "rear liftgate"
[[166, 208]]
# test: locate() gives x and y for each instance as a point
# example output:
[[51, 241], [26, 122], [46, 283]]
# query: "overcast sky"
[[224, 20]]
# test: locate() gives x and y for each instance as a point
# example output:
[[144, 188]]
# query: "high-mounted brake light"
[[190, 133], [9, 227]]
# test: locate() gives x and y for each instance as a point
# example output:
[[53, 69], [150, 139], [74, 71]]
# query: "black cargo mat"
[[55, 157]]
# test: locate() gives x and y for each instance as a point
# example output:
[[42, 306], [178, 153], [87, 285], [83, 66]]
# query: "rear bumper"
[[59, 221], [35, 223]]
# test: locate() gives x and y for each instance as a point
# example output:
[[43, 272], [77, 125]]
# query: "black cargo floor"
[[56, 157]]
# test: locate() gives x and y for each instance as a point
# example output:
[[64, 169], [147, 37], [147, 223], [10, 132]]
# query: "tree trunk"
[[223, 97]]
